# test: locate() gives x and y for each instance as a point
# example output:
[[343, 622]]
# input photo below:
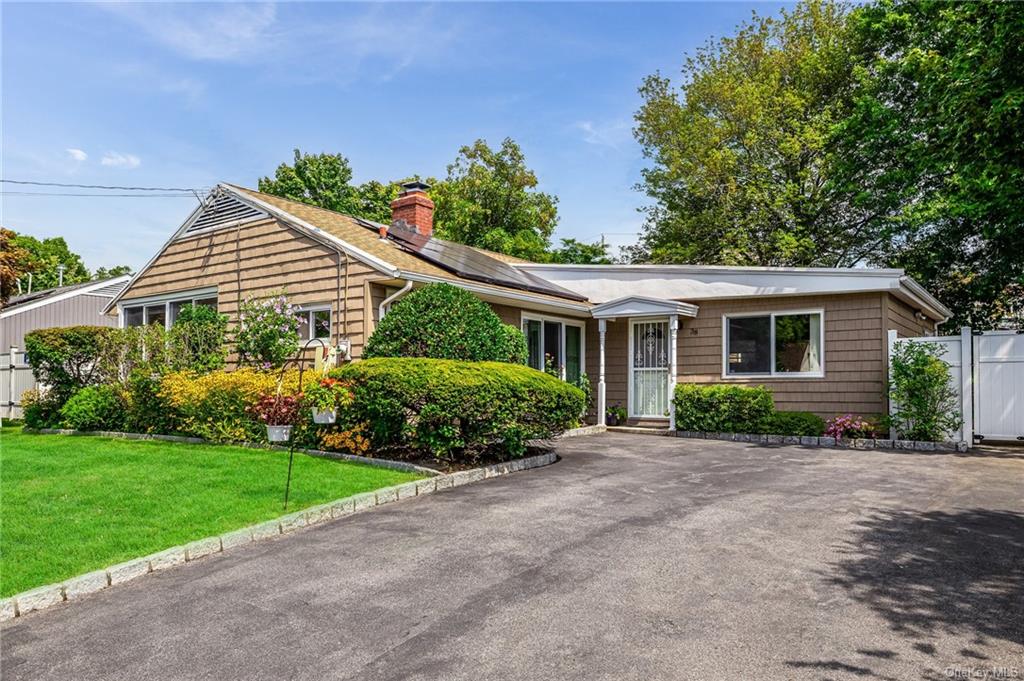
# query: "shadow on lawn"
[[933, 573]]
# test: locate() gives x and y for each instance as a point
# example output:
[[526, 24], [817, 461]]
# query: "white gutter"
[[383, 307]]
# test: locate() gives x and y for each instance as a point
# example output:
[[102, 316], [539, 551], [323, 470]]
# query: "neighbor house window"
[[776, 344], [314, 322], [554, 344], [164, 311]]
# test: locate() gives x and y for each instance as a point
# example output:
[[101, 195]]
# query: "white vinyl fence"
[[15, 378], [987, 372]]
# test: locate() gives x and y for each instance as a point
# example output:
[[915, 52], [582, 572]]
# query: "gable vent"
[[224, 211]]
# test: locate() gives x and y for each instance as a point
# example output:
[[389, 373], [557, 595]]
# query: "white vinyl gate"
[[15, 378], [999, 385], [987, 371]]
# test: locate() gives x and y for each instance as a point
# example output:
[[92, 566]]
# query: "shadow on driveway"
[[932, 573]]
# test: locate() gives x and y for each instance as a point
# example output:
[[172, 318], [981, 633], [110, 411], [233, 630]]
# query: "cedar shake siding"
[[902, 317], [260, 258], [854, 351]]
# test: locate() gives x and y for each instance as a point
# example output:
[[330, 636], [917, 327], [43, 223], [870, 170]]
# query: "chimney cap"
[[414, 186]]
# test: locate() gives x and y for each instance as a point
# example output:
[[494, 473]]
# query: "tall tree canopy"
[[47, 255], [936, 142], [15, 262], [489, 200], [325, 180], [741, 159], [574, 252]]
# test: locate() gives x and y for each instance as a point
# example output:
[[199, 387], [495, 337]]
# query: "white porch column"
[[673, 352], [602, 327]]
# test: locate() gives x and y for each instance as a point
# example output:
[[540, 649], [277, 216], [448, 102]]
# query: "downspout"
[[382, 309]]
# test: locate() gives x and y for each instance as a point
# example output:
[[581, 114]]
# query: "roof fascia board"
[[314, 231], [715, 269], [517, 296], [920, 295], [85, 290]]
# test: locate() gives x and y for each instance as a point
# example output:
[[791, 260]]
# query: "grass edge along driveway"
[[72, 504]]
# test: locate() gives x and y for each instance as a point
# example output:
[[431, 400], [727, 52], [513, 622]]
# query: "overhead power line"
[[130, 196], [103, 186]]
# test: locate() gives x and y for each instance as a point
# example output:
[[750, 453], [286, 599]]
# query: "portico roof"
[[642, 306]]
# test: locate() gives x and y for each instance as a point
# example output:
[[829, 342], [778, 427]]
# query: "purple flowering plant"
[[268, 331], [849, 426]]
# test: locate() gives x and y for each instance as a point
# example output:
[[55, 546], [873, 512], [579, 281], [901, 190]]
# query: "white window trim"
[[773, 374], [564, 321], [165, 300], [317, 307], [633, 322]]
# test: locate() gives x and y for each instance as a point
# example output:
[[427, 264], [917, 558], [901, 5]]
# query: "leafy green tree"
[[741, 162], [573, 252], [111, 272], [47, 255], [325, 180], [935, 141], [489, 200], [15, 262]]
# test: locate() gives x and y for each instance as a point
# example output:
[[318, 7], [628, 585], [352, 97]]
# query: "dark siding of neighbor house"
[[77, 310]]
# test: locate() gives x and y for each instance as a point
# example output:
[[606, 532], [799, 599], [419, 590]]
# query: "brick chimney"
[[414, 208]]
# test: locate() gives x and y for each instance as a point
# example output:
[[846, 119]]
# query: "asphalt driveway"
[[634, 557]]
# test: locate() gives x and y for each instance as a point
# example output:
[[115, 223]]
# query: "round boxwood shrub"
[[95, 407], [442, 321], [458, 412]]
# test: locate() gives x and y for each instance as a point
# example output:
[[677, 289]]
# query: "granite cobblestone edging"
[[828, 442], [43, 597]]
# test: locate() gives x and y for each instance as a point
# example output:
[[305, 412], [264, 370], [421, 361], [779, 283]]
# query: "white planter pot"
[[279, 433], [324, 416]]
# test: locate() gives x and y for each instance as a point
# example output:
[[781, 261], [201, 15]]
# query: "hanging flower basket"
[[279, 433], [324, 416]]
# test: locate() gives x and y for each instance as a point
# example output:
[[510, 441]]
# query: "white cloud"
[[355, 42], [220, 32], [612, 134], [116, 159], [77, 154]]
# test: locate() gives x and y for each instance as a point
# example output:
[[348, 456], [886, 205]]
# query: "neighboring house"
[[816, 336], [64, 306]]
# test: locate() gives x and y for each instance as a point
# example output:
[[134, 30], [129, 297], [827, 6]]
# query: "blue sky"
[[186, 95]]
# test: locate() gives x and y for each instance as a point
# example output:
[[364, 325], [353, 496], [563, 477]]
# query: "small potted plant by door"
[[279, 413], [326, 397], [615, 415]]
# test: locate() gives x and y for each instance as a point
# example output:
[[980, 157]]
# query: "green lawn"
[[70, 504]]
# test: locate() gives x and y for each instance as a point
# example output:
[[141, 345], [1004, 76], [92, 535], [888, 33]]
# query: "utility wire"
[[101, 186], [131, 196]]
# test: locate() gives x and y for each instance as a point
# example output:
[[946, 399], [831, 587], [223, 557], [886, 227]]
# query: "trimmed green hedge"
[[795, 423], [458, 411], [723, 408]]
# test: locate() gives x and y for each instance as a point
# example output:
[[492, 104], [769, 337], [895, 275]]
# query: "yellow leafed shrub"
[[213, 406]]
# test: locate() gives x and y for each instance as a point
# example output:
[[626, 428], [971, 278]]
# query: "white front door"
[[649, 369]]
